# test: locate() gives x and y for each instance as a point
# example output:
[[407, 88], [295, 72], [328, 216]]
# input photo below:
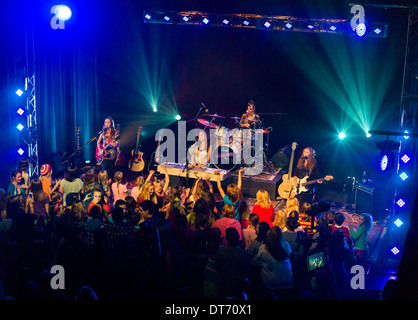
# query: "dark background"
[[108, 62]]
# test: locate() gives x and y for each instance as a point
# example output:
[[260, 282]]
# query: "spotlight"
[[225, 21], [400, 203], [178, 117], [395, 250], [387, 156], [405, 158], [63, 12], [398, 222], [20, 151], [377, 30], [154, 109], [341, 135], [288, 25], [167, 18], [368, 135], [332, 28], [20, 127], [406, 137], [267, 24], [185, 19], [20, 111], [403, 176], [19, 92], [246, 23], [361, 29], [205, 20], [147, 16]]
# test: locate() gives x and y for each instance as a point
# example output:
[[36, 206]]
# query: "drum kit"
[[227, 152]]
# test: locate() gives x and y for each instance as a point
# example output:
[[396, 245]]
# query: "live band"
[[109, 156]]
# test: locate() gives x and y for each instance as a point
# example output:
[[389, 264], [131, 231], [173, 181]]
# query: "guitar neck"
[[312, 181]]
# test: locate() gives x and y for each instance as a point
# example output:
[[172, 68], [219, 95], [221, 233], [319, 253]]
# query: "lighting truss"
[[255, 21]]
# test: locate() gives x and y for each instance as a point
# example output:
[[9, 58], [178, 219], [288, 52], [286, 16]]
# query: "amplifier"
[[364, 199]]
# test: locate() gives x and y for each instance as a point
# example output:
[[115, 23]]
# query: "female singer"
[[108, 138]]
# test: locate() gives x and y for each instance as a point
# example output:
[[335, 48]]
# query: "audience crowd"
[[156, 241]]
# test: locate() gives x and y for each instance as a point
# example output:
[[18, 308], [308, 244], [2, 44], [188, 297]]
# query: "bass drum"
[[225, 157]]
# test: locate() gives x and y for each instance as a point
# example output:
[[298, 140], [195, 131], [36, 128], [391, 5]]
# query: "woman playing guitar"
[[107, 146]]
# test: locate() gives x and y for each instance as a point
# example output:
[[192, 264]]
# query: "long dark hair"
[[276, 245], [112, 127], [311, 160]]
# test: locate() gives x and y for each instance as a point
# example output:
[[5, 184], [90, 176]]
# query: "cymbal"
[[215, 115], [237, 118], [207, 123]]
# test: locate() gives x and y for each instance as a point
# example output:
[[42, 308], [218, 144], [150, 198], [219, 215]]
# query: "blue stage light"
[[361, 29], [403, 176], [147, 16], [288, 25], [377, 30], [332, 28], [20, 127], [398, 222], [405, 158], [384, 162], [20, 151], [20, 111], [341, 135], [406, 137], [400, 203], [225, 21], [205, 20], [267, 24], [19, 92], [395, 250], [185, 19], [246, 23]]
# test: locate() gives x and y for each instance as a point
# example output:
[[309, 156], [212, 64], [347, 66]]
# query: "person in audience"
[[250, 234], [38, 200], [293, 237], [104, 183], [119, 190], [101, 201], [71, 183], [47, 185], [273, 257], [339, 219], [228, 220], [15, 186], [360, 238], [263, 207], [232, 262], [233, 193]]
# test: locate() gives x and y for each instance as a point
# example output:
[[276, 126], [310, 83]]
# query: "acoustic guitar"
[[287, 189], [137, 163]]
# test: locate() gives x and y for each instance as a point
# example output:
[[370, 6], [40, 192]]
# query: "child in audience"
[[249, 233], [263, 208], [119, 190], [360, 238], [228, 220], [233, 193]]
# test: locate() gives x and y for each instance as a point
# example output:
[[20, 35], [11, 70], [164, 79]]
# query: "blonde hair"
[[103, 177], [145, 193], [118, 178], [280, 219], [228, 211], [263, 198]]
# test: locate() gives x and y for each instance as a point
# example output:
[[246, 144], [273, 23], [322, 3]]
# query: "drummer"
[[249, 117]]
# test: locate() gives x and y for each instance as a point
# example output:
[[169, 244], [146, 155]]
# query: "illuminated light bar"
[[284, 23]]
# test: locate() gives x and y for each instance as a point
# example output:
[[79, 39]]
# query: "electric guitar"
[[137, 163], [303, 183], [102, 153], [287, 189]]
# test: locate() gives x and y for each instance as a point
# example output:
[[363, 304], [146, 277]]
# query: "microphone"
[[304, 157], [206, 108]]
